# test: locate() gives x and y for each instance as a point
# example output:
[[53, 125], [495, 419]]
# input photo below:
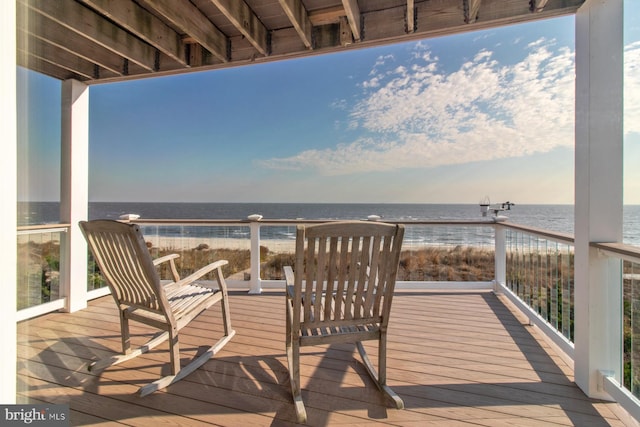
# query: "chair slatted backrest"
[[354, 264], [120, 251]]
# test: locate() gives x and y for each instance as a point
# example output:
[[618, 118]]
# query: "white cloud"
[[538, 42], [632, 88], [418, 116]]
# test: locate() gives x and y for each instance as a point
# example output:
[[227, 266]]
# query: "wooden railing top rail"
[[562, 237], [43, 227], [301, 221], [629, 252], [553, 235]]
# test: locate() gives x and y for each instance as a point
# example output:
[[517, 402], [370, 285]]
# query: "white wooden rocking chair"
[[341, 291], [124, 260]]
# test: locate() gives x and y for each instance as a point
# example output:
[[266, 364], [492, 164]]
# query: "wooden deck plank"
[[455, 357]]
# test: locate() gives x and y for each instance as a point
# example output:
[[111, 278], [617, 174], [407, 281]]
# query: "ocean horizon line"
[[307, 203], [515, 204], [553, 217]]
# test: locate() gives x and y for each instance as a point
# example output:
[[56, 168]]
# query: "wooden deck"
[[476, 362]]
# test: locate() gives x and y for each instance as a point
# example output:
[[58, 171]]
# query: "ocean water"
[[559, 218]]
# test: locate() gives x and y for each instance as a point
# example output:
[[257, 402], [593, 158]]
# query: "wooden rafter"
[[243, 18], [297, 14], [411, 16], [537, 5], [330, 15], [353, 16], [144, 25], [346, 36], [184, 15], [31, 23], [112, 40], [54, 55], [471, 8], [92, 26], [39, 65]]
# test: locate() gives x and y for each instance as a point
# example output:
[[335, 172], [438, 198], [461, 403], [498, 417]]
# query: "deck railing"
[[434, 252], [38, 271], [532, 267], [626, 391], [539, 278]]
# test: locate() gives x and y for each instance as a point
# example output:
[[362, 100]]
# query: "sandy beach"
[[182, 243]]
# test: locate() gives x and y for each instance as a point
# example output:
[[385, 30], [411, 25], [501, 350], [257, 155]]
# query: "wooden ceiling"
[[109, 40]]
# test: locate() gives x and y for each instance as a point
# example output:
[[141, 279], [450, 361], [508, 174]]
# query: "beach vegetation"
[[39, 272]]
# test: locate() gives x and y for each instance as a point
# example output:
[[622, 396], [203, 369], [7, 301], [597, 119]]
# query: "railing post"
[[8, 216], [500, 257], [599, 190], [74, 191], [255, 284]]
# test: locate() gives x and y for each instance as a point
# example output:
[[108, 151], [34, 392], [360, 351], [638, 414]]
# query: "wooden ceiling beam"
[[353, 16], [41, 66], [184, 15], [243, 18], [346, 36], [30, 45], [411, 16], [471, 8], [30, 22], [330, 15], [95, 28], [77, 41], [537, 5], [297, 14], [143, 24]]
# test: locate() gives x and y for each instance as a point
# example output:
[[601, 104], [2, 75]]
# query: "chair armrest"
[[170, 258], [217, 265], [288, 275], [289, 279], [165, 258]]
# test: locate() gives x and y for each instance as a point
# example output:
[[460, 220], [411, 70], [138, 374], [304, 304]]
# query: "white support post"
[[500, 258], [256, 282], [598, 191], [8, 216], [74, 191]]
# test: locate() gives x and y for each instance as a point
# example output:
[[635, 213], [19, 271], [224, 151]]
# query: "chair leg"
[[174, 350], [177, 373], [226, 313], [126, 337], [293, 362], [119, 358], [192, 366], [380, 379], [180, 373], [293, 359]]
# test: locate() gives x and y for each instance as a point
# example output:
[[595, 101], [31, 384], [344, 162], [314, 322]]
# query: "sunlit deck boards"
[[476, 364]]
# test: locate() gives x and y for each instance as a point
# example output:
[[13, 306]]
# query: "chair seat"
[[184, 298], [336, 330], [185, 302], [338, 334]]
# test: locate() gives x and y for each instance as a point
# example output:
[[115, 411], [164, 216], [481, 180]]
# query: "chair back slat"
[[349, 273], [343, 274], [114, 252], [124, 261]]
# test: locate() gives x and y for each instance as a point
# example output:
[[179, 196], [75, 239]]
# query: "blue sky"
[[443, 120]]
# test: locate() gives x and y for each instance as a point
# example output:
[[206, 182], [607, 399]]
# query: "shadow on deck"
[[455, 357]]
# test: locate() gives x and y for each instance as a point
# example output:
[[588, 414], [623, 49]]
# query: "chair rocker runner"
[[340, 290], [121, 253]]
